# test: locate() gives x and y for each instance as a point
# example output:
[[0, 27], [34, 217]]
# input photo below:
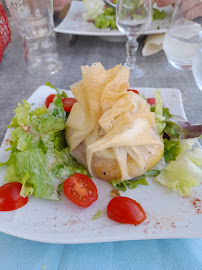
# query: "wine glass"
[[133, 17]]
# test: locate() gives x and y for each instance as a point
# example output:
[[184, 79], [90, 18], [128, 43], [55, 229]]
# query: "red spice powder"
[[197, 203], [173, 225], [147, 223]]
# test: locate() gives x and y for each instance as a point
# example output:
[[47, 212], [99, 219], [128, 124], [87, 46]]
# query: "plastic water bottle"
[[197, 64]]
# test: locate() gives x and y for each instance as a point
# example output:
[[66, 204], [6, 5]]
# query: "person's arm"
[[190, 8], [163, 3], [59, 4]]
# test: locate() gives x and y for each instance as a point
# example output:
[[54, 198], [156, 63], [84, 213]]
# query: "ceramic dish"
[[168, 214]]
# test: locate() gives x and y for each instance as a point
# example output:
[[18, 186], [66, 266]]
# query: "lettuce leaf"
[[26, 190], [22, 139], [177, 127], [39, 111], [48, 122], [93, 8], [22, 113], [183, 173], [172, 148], [133, 183], [159, 112], [97, 215], [41, 181], [56, 108], [166, 112], [11, 171], [14, 122], [102, 21], [174, 126], [40, 159], [62, 164], [158, 15], [106, 20], [54, 140], [151, 173], [41, 173]]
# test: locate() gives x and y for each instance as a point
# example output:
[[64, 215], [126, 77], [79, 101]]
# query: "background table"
[[16, 83]]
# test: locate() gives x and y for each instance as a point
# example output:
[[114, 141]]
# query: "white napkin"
[[153, 44]]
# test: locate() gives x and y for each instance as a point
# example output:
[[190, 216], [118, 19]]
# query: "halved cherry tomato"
[[49, 100], [80, 189], [135, 91], [151, 101], [125, 210], [10, 198], [68, 103]]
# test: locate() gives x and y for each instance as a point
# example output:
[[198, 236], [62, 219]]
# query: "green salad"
[[181, 166], [105, 17], [40, 158]]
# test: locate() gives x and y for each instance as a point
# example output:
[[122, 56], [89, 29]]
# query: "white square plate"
[[74, 23], [168, 214]]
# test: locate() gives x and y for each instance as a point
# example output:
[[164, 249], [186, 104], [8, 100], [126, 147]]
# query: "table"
[[16, 83]]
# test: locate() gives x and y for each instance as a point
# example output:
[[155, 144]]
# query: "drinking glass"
[[197, 64], [181, 39], [34, 19], [133, 17]]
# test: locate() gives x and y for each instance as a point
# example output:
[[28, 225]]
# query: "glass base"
[[136, 71], [44, 64], [180, 65]]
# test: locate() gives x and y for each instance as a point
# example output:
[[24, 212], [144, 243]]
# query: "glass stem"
[[131, 48]]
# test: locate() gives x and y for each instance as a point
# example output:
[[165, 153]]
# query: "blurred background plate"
[[74, 23]]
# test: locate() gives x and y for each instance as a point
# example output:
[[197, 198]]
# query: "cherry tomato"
[[133, 90], [10, 198], [68, 103], [151, 101], [125, 210], [80, 189], [49, 100]]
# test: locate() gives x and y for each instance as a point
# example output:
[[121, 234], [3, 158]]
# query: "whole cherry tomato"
[[10, 198], [125, 210]]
